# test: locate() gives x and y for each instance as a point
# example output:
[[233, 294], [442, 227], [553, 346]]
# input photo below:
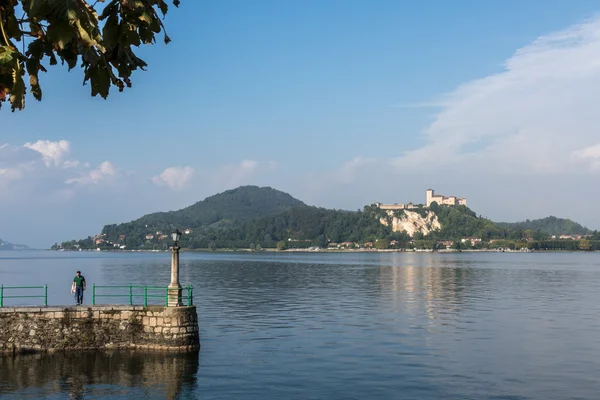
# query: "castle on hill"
[[430, 197], [443, 200]]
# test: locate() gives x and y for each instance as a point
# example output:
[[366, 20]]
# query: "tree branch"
[[2, 29]]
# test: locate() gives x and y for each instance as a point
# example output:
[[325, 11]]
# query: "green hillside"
[[221, 210], [460, 221], [549, 225], [305, 225], [253, 217]]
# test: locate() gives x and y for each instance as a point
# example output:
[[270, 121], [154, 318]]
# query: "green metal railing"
[[3, 296], [133, 291]]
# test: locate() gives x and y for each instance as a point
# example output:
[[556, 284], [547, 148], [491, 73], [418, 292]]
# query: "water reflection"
[[368, 326], [417, 283], [98, 375]]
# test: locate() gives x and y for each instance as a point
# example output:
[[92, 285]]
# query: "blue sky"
[[323, 99]]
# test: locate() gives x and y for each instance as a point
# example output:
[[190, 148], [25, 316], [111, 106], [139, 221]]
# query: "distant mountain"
[[9, 246], [225, 209], [549, 225]]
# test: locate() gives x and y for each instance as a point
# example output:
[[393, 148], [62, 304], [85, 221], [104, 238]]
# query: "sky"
[[340, 103]]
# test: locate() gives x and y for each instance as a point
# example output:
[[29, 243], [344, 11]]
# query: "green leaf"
[[86, 37], [72, 15], [90, 14], [138, 62], [61, 33], [36, 89], [11, 27], [63, 9], [32, 65], [90, 57], [124, 70], [69, 56], [6, 82], [53, 60], [146, 35], [17, 94], [111, 8], [6, 57], [35, 49], [146, 17], [131, 36], [110, 31], [164, 8], [100, 79], [71, 62], [155, 24], [37, 9]]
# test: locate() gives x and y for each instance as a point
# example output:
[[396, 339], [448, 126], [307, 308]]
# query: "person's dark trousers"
[[79, 295]]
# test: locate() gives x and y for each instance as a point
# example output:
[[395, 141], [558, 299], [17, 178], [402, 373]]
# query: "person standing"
[[78, 287]]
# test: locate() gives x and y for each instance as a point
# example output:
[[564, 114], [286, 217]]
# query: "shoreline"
[[328, 251]]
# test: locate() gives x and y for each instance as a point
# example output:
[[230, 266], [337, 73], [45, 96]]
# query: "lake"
[[336, 326]]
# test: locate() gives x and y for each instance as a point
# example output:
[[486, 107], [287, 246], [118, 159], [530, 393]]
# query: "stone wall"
[[25, 329]]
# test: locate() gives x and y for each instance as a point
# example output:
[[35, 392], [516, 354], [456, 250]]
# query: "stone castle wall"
[[430, 197], [408, 206], [25, 329]]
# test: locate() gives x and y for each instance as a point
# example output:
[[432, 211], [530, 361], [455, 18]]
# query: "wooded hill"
[[550, 225], [250, 217]]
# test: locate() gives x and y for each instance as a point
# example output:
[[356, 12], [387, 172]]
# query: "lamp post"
[[174, 289]]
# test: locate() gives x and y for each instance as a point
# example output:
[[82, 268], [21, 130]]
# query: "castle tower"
[[429, 197]]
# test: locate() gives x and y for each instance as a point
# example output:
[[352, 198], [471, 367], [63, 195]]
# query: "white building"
[[443, 200]]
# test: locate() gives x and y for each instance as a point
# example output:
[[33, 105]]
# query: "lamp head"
[[176, 236]]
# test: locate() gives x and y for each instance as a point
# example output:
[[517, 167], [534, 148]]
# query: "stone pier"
[[31, 329]]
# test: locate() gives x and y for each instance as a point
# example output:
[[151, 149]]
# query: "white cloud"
[[53, 153], [529, 118], [590, 156], [105, 170], [16, 162], [248, 165], [242, 173], [43, 168], [351, 168], [10, 174], [588, 152], [176, 178], [72, 164]]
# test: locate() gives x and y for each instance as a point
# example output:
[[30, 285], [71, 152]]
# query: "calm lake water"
[[337, 326]]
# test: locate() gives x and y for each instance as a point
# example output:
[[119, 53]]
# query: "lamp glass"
[[176, 236]]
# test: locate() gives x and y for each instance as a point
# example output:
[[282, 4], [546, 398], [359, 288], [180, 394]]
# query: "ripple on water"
[[351, 326]]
